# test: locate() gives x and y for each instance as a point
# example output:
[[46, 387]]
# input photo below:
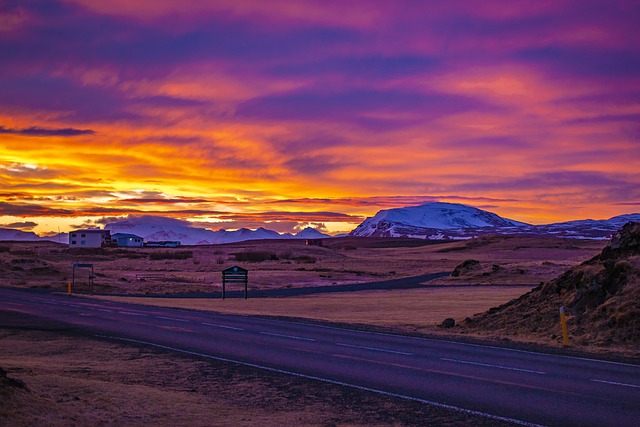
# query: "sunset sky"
[[283, 114]]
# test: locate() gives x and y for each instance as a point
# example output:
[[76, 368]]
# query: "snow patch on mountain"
[[437, 220]]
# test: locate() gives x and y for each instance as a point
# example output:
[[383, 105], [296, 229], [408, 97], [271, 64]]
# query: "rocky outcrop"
[[466, 267], [601, 297]]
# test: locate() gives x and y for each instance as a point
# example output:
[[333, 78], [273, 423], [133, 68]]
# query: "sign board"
[[235, 274]]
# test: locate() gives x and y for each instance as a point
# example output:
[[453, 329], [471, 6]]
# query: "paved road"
[[525, 387], [402, 283]]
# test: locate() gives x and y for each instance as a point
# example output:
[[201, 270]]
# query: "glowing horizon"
[[241, 114]]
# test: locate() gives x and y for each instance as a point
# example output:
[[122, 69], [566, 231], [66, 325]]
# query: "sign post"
[[235, 274], [73, 276]]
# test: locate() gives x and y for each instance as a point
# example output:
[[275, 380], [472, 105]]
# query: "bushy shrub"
[[171, 255], [255, 256], [286, 255]]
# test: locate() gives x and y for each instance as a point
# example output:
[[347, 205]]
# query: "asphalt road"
[[524, 387], [402, 283]]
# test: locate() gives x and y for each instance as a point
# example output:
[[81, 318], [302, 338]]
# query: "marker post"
[[563, 323]]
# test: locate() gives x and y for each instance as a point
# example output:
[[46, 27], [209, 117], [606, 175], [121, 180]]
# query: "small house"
[[125, 240], [89, 238]]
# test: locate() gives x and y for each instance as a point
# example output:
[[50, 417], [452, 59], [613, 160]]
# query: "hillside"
[[443, 221], [435, 220], [601, 297]]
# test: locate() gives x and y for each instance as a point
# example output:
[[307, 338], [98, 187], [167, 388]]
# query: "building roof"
[[93, 230]]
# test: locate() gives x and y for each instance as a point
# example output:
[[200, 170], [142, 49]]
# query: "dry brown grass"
[[412, 310], [522, 260]]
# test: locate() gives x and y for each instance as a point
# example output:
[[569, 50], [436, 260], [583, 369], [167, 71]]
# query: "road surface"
[[524, 387]]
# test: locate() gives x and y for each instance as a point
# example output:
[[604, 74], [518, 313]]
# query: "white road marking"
[[223, 326], [515, 350], [170, 318], [105, 310], [615, 383], [288, 336], [329, 381], [374, 349], [466, 362], [130, 313]]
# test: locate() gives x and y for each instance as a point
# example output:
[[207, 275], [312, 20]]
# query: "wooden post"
[[563, 324], [68, 288]]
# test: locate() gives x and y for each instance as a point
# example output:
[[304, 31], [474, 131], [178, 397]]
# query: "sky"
[[287, 114]]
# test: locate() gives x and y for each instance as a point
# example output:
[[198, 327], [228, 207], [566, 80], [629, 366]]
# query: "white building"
[[89, 238], [125, 240]]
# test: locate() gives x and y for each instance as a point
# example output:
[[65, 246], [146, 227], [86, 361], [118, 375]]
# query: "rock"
[[627, 238], [448, 323], [11, 382], [466, 267]]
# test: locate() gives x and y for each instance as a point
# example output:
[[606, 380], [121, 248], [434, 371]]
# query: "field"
[[290, 263], [73, 379]]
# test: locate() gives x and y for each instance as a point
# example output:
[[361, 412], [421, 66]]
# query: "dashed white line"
[[287, 336], [170, 318], [330, 381], [615, 383], [467, 362], [130, 313], [374, 349], [222, 326], [105, 310]]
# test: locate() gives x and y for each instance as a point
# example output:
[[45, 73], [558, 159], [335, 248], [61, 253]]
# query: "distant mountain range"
[[436, 221], [440, 220], [154, 229]]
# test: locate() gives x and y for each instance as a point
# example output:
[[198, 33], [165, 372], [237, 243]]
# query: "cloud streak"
[[40, 131]]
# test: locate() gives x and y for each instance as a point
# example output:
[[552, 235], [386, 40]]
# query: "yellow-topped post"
[[563, 323]]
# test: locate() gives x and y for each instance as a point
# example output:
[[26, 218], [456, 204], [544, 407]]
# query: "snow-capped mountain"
[[11, 234], [435, 220], [587, 228], [154, 229], [440, 220], [310, 233], [431, 221]]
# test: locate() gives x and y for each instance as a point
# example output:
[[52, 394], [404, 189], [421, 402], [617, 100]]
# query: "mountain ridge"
[[435, 220], [441, 220]]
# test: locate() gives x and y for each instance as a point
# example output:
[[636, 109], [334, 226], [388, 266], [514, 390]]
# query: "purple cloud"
[[40, 131]]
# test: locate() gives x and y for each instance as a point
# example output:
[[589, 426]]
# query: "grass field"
[[412, 310]]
